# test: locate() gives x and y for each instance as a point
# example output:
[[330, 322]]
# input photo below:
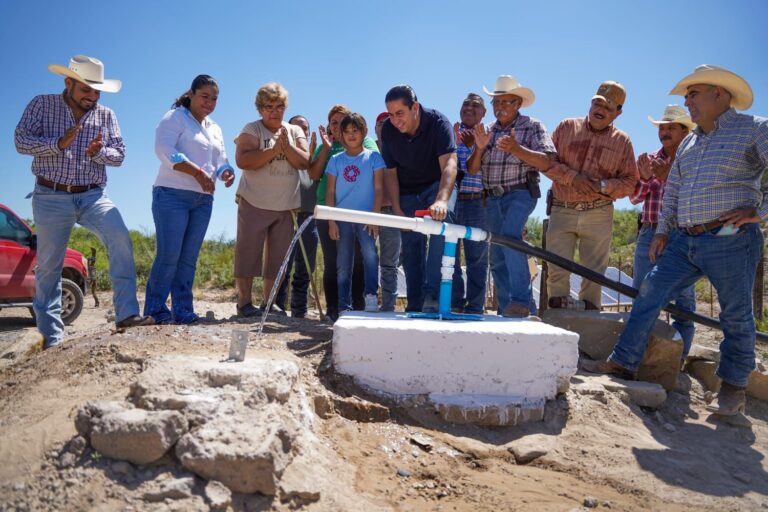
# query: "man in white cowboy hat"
[[509, 155], [72, 138], [595, 166], [673, 127], [709, 226]]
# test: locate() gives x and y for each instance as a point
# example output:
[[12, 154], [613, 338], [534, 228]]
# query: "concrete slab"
[[520, 362]]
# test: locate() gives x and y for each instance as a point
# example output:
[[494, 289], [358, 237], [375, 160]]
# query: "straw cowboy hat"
[[674, 114], [507, 84], [741, 92], [87, 70]]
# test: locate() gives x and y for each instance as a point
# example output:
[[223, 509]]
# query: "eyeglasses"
[[503, 103], [273, 108]]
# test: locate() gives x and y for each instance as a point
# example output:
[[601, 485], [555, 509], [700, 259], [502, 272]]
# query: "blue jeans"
[[389, 260], [181, 220], [345, 257], [507, 216], [301, 277], [687, 298], [470, 212], [55, 213], [422, 265], [330, 284], [729, 262]]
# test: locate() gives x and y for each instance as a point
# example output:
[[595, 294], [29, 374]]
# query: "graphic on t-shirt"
[[351, 172]]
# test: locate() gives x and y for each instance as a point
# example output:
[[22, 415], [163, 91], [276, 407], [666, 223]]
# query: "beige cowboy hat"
[[741, 92], [87, 70], [507, 84], [674, 114]]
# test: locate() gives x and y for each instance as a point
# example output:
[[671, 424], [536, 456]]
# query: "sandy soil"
[[598, 445]]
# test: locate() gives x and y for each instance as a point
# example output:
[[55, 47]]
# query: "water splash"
[[280, 273]]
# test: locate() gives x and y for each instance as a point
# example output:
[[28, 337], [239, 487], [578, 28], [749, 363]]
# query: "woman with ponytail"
[[192, 156]]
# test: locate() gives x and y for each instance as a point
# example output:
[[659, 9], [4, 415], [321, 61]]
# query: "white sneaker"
[[371, 303]]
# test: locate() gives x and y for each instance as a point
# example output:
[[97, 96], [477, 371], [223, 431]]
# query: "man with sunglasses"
[[509, 154]]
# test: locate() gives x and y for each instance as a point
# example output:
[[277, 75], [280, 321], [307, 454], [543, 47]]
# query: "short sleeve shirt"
[[417, 158]]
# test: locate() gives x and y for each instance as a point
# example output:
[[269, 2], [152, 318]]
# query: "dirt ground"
[[601, 450]]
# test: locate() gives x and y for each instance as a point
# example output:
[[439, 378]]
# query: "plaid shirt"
[[45, 120], [469, 184], [502, 168], [717, 172], [650, 191], [606, 155]]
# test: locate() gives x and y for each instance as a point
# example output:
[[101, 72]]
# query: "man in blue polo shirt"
[[419, 149]]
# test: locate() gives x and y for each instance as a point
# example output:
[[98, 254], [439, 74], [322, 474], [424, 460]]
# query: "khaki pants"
[[592, 229]]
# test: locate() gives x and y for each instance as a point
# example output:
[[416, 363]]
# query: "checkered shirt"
[[717, 172], [501, 168], [45, 120], [650, 193]]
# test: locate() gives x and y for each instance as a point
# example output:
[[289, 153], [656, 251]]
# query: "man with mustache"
[[595, 166], [673, 127], [510, 154], [714, 202], [72, 139]]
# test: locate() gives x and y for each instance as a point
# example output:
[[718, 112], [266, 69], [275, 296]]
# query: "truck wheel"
[[71, 301]]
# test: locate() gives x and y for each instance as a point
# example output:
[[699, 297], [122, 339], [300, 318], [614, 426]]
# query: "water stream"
[[280, 273]]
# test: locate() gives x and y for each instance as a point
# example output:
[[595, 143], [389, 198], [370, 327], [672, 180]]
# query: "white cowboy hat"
[[507, 84], [741, 92], [87, 70], [674, 114]]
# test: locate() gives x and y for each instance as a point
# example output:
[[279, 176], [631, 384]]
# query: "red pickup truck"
[[18, 258]]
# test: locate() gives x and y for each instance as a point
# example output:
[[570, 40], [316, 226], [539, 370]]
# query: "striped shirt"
[[606, 155], [650, 193], [469, 184], [502, 168], [45, 120], [717, 172]]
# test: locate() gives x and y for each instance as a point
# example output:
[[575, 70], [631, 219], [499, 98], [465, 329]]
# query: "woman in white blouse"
[[192, 156]]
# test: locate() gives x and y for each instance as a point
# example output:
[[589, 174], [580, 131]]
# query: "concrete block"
[[498, 371]]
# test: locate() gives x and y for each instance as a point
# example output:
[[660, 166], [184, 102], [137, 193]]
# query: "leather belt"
[[500, 190], [72, 189], [700, 229], [582, 205], [466, 196]]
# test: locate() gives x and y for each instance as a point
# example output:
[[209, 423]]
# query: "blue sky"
[[352, 52]]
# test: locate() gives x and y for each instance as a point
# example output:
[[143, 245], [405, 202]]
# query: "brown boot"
[[516, 311], [730, 401], [135, 321], [606, 368]]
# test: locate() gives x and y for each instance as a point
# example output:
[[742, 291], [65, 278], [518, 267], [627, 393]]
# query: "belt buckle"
[[579, 207], [497, 191], [69, 189]]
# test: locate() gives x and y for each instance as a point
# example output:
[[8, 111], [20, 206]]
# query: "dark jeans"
[[330, 285], [422, 264], [301, 278], [470, 212]]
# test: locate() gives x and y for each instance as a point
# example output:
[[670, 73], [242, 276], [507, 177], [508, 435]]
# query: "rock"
[[121, 467], [699, 352], [599, 332], [590, 502], [529, 448], [177, 489], [29, 343], [743, 477], [323, 406], [422, 441], [670, 428], [300, 485], [67, 460], [360, 410], [247, 456], [94, 410], [403, 473], [19, 486], [137, 435], [757, 386], [217, 495], [77, 445], [704, 371], [644, 394]]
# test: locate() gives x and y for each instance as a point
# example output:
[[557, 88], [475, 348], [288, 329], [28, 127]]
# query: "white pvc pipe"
[[426, 225]]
